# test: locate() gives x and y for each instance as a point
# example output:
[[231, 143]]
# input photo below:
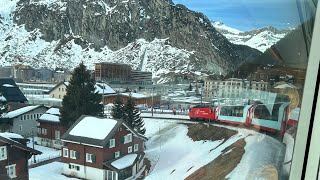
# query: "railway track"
[[181, 120]]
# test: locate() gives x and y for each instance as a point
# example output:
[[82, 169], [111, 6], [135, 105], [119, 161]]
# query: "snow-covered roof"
[[20, 111], [50, 117], [11, 135], [285, 86], [54, 111], [7, 85], [2, 98], [98, 128], [135, 95], [125, 161], [102, 88]]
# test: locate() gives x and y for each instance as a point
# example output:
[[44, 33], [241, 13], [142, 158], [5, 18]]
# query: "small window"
[[90, 158], [136, 147], [130, 149], [112, 143], [71, 166], [21, 118], [3, 153], [28, 116], [127, 138], [39, 130], [11, 171], [117, 154], [20, 127], [44, 131], [59, 89], [59, 97], [34, 116], [65, 153], [57, 134], [74, 154]]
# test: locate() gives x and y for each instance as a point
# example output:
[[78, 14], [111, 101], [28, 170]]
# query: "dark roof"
[[19, 145], [140, 155], [97, 142], [12, 94]]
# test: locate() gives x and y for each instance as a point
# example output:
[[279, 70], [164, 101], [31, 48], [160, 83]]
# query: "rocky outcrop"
[[117, 23]]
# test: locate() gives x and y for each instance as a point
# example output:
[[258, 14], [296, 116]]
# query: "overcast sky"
[[247, 14]]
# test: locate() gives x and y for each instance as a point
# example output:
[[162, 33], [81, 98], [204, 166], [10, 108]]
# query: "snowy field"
[[165, 116], [50, 171], [47, 153], [174, 155]]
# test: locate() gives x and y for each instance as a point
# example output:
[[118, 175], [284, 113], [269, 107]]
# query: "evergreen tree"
[[128, 112], [190, 87], [81, 98], [138, 122], [118, 108], [132, 116]]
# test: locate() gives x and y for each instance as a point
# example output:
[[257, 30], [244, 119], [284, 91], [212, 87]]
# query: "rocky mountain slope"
[[153, 35], [260, 39]]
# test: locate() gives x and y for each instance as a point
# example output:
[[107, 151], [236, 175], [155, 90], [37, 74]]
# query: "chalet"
[[60, 90], [22, 121], [98, 148], [50, 129], [14, 155]]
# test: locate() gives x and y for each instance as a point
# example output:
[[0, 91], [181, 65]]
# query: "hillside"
[[155, 36]]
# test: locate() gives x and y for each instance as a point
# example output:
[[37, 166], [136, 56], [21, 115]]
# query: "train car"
[[202, 113], [238, 114], [270, 117]]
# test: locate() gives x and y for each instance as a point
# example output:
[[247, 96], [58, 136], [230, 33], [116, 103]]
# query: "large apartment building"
[[112, 72], [235, 88]]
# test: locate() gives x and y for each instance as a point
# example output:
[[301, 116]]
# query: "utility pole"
[[152, 102], [34, 156]]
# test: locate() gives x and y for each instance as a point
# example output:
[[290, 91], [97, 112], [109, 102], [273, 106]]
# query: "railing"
[[42, 159]]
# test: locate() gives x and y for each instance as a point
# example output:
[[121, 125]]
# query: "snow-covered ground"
[[47, 153], [174, 155], [165, 116], [50, 171]]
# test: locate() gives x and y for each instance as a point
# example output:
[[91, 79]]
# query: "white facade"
[[59, 91], [234, 88], [57, 143], [84, 172]]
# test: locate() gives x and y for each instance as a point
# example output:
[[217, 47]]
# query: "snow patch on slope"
[[18, 46], [260, 39]]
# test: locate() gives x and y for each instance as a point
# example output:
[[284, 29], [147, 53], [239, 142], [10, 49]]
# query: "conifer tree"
[[117, 110], [81, 98], [138, 122], [132, 116], [128, 112]]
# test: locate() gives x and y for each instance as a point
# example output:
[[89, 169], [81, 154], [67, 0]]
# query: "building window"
[[59, 89], [57, 134], [34, 116], [72, 166], [11, 171], [65, 152], [117, 154], [112, 143], [90, 158], [28, 116], [39, 130], [59, 96], [136, 147], [127, 138], [74, 154], [21, 118], [44, 131], [20, 127], [130, 149], [3, 153]]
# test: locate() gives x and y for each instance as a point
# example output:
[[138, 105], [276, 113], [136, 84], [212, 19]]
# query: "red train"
[[269, 117]]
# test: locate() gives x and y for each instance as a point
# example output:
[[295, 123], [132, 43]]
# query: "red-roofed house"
[[99, 148], [14, 155], [50, 129]]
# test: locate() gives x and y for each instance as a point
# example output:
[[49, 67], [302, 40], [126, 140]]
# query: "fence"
[[42, 159]]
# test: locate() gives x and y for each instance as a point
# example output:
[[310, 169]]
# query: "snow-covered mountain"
[[155, 36], [260, 39]]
